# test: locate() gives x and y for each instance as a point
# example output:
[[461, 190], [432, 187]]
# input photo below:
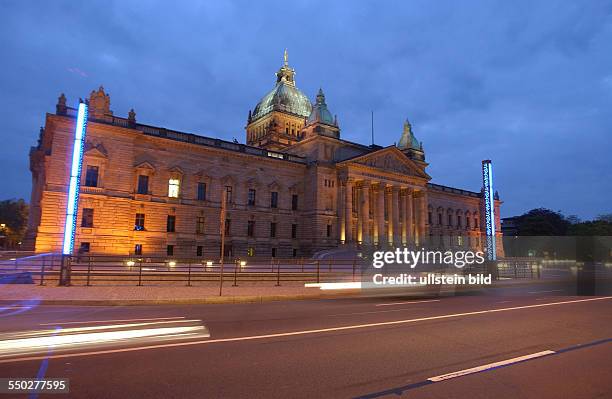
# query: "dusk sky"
[[525, 84]]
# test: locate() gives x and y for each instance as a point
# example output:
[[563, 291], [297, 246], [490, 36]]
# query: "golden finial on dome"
[[286, 56]]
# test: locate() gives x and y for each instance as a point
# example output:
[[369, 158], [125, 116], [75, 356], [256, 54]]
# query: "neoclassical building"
[[294, 189]]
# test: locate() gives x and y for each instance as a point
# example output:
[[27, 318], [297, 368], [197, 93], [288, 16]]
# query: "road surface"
[[341, 348]]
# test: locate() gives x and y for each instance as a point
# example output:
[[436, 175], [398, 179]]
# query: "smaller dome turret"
[[320, 113]]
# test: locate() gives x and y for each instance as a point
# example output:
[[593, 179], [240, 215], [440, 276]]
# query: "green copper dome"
[[285, 97], [320, 113]]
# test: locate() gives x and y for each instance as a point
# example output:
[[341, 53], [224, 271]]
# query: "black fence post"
[[302, 263], [235, 274], [42, 271], [354, 265], [278, 273], [140, 273], [318, 271], [189, 274], [88, 270]]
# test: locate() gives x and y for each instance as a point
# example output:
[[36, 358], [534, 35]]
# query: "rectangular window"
[[170, 250], [171, 224], [429, 217], [87, 219], [328, 233], [228, 226], [174, 187], [294, 231], [294, 252], [138, 249], [450, 220], [467, 222], [294, 202], [85, 246], [273, 229], [143, 184], [139, 222], [201, 191], [274, 199], [251, 199], [229, 196], [91, 176], [199, 250], [251, 228], [476, 222], [458, 220], [200, 225], [274, 252], [440, 219]]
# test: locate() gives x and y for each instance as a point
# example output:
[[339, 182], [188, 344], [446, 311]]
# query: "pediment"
[[274, 185], [95, 150], [390, 159], [253, 182], [176, 170], [145, 165]]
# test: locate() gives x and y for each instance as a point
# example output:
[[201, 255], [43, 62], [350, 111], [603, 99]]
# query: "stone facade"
[[293, 192]]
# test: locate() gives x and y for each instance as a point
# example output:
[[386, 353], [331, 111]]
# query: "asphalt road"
[[342, 348]]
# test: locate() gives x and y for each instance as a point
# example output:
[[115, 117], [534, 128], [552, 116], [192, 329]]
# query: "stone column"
[[422, 217], [388, 206], [359, 211], [348, 208], [374, 207], [402, 200], [409, 216], [342, 211], [365, 213], [395, 209], [380, 218]]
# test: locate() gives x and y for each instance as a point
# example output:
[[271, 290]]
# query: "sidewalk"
[[13, 294], [156, 295]]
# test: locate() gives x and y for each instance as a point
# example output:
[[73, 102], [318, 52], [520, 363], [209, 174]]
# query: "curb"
[[213, 300]]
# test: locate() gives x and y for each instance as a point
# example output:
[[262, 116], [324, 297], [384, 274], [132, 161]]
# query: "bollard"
[[354, 265], [318, 271], [278, 274]]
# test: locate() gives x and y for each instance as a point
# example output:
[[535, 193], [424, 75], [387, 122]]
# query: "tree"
[[542, 222], [606, 217], [591, 228], [13, 221]]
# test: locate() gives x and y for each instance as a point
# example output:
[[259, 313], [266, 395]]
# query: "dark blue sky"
[[526, 84]]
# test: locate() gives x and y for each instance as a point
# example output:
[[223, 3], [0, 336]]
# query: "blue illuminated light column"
[[489, 202], [75, 180]]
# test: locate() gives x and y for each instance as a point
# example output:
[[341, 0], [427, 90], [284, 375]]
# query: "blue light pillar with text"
[[72, 205]]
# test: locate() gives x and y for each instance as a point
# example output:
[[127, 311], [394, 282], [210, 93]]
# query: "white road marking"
[[478, 369], [406, 303], [304, 332], [543, 292], [504, 301], [109, 321]]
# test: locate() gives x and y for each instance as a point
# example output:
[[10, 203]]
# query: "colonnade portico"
[[381, 214]]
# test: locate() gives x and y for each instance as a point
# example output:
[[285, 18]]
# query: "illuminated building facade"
[[295, 188]]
